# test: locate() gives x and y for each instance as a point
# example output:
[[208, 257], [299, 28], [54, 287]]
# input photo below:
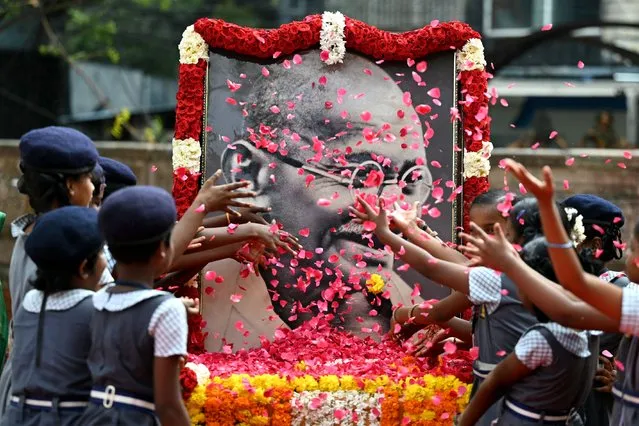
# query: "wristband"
[[568, 245]]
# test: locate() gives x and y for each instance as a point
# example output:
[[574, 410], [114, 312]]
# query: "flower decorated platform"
[[315, 375]]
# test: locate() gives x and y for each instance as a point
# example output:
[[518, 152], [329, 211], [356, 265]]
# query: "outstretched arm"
[[449, 274], [552, 299], [507, 373], [595, 292]]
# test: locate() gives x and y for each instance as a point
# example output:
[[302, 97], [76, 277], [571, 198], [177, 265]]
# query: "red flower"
[[188, 381]]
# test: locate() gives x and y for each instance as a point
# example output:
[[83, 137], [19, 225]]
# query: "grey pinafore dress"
[[122, 356], [63, 374], [496, 335], [556, 390], [21, 271], [598, 406], [626, 413]]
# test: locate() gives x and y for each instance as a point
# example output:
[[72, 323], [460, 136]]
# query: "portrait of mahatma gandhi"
[[310, 138]]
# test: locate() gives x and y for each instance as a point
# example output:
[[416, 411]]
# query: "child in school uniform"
[[56, 165], [117, 175], [50, 376], [602, 228], [485, 212], [138, 333], [549, 374], [607, 307], [99, 183], [501, 319]]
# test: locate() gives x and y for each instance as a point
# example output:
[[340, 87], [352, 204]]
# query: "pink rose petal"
[[450, 348], [200, 208], [580, 65], [434, 93], [369, 226], [235, 298], [323, 202], [366, 116], [265, 72], [546, 27], [421, 66]]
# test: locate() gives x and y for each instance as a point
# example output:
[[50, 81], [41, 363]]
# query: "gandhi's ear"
[[243, 162]]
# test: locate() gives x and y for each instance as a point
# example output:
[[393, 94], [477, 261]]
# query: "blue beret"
[[58, 150], [64, 237], [595, 209], [117, 173], [98, 173], [137, 215]]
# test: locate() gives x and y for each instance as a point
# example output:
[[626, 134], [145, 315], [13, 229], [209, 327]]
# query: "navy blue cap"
[[117, 173], [58, 150], [137, 215], [596, 210], [62, 238]]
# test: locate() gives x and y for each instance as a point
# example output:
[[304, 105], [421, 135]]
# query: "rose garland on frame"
[[289, 38]]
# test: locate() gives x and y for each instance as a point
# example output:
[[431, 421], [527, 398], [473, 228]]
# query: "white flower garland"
[[187, 153], [192, 47], [578, 231], [471, 56], [477, 164], [201, 372], [307, 411], [332, 37]]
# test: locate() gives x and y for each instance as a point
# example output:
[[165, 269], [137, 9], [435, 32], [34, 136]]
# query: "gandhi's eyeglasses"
[[367, 177]]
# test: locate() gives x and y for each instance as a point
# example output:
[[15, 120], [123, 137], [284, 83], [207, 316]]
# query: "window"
[[507, 18]]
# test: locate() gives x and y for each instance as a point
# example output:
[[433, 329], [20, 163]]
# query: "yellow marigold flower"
[[329, 383], [348, 383], [375, 284], [301, 366]]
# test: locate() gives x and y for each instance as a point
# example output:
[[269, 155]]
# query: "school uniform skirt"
[[26, 416], [98, 415]]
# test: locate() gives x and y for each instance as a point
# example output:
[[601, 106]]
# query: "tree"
[[140, 34]]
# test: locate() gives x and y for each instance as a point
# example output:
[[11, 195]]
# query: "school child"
[[619, 306], [602, 222], [502, 318], [56, 165], [50, 377], [138, 333], [484, 211], [99, 183], [547, 377], [117, 175]]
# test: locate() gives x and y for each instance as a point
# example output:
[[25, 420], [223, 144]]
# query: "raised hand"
[[252, 215], [543, 190], [276, 239], [196, 242], [377, 216], [223, 197], [192, 305], [404, 219], [491, 251]]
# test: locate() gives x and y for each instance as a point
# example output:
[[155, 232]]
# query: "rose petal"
[[369, 226], [546, 27]]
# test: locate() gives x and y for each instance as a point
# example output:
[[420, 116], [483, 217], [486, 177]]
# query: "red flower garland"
[[302, 35]]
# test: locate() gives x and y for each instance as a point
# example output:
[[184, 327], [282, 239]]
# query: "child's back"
[[50, 376], [563, 373]]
